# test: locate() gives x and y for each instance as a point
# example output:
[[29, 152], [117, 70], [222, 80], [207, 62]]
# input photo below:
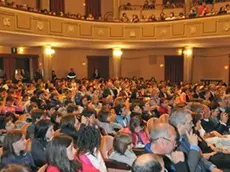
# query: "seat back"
[[106, 145], [43, 168], [150, 124], [164, 118], [114, 166]]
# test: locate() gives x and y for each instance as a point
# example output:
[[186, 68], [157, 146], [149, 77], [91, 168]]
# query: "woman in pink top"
[[61, 156], [10, 107]]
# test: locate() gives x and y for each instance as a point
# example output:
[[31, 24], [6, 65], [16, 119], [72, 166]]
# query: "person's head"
[[182, 120], [61, 154], [73, 109], [122, 142], [163, 138], [15, 168], [214, 108], [164, 103], [14, 143], [147, 163], [206, 112], [36, 115], [89, 140], [104, 116], [56, 117], [136, 124], [44, 130], [9, 100], [90, 114], [69, 121]]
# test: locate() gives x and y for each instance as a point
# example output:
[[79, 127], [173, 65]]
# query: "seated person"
[[148, 163], [14, 150], [42, 136], [104, 121], [90, 17], [137, 130], [88, 144], [124, 18], [122, 145], [15, 167], [66, 153]]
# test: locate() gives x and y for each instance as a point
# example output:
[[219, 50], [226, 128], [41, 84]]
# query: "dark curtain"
[[57, 6], [174, 68], [9, 66], [38, 4], [93, 7], [35, 64]]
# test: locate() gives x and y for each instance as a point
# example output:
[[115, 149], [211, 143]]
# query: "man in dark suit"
[[182, 120]]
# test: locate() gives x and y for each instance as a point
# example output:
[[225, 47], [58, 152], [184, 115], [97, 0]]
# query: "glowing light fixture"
[[117, 52], [21, 50], [49, 50]]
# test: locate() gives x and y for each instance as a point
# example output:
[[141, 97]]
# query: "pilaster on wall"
[[188, 64], [45, 4], [116, 11]]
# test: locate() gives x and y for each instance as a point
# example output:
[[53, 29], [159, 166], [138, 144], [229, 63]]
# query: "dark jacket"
[[38, 151]]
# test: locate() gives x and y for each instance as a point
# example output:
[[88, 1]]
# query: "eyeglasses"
[[175, 142]]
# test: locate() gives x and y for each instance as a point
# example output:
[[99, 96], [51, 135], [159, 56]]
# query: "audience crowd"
[[195, 11], [69, 125]]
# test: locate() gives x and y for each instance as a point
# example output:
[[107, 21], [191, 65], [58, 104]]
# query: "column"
[[116, 11], [45, 4], [117, 53], [188, 61], [48, 53], [187, 6]]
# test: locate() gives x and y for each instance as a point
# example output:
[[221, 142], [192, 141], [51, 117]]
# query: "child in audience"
[[105, 122], [43, 134], [122, 146], [88, 142], [14, 150], [64, 159]]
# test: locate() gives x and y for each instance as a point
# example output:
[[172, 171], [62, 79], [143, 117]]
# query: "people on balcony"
[[203, 9]]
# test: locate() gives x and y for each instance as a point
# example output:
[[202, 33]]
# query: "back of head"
[[41, 128], [121, 142], [147, 163], [89, 140], [178, 116], [15, 168], [160, 130], [36, 114]]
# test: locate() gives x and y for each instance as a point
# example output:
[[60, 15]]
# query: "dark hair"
[[11, 137], [135, 121], [88, 112], [68, 120], [121, 142], [36, 114], [57, 154], [89, 138], [103, 116], [41, 128], [71, 108], [15, 168]]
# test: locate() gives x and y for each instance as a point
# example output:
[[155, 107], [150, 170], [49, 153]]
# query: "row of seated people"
[[91, 121], [194, 12], [203, 11]]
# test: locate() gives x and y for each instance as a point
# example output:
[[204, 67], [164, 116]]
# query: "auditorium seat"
[[106, 145], [150, 124], [43, 168], [114, 166], [164, 118]]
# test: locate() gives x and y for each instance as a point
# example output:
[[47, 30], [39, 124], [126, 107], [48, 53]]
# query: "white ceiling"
[[13, 39]]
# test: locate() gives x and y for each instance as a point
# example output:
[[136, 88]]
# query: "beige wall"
[[30, 3], [106, 6], [210, 63], [75, 6]]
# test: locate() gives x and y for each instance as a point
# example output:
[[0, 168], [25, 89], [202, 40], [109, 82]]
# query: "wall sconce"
[[161, 65], [117, 52], [49, 51], [226, 67], [21, 50], [185, 51]]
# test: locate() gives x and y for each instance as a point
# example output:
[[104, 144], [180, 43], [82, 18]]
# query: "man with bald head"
[[147, 163], [163, 138]]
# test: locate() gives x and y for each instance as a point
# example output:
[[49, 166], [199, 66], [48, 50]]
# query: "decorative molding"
[[226, 27], [101, 32], [6, 21], [163, 32], [70, 29], [192, 30], [132, 34], [40, 25]]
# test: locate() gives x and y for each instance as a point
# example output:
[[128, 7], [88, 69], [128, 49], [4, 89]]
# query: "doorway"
[[174, 68], [98, 62]]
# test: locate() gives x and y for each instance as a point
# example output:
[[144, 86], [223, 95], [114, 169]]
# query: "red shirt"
[[85, 168]]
